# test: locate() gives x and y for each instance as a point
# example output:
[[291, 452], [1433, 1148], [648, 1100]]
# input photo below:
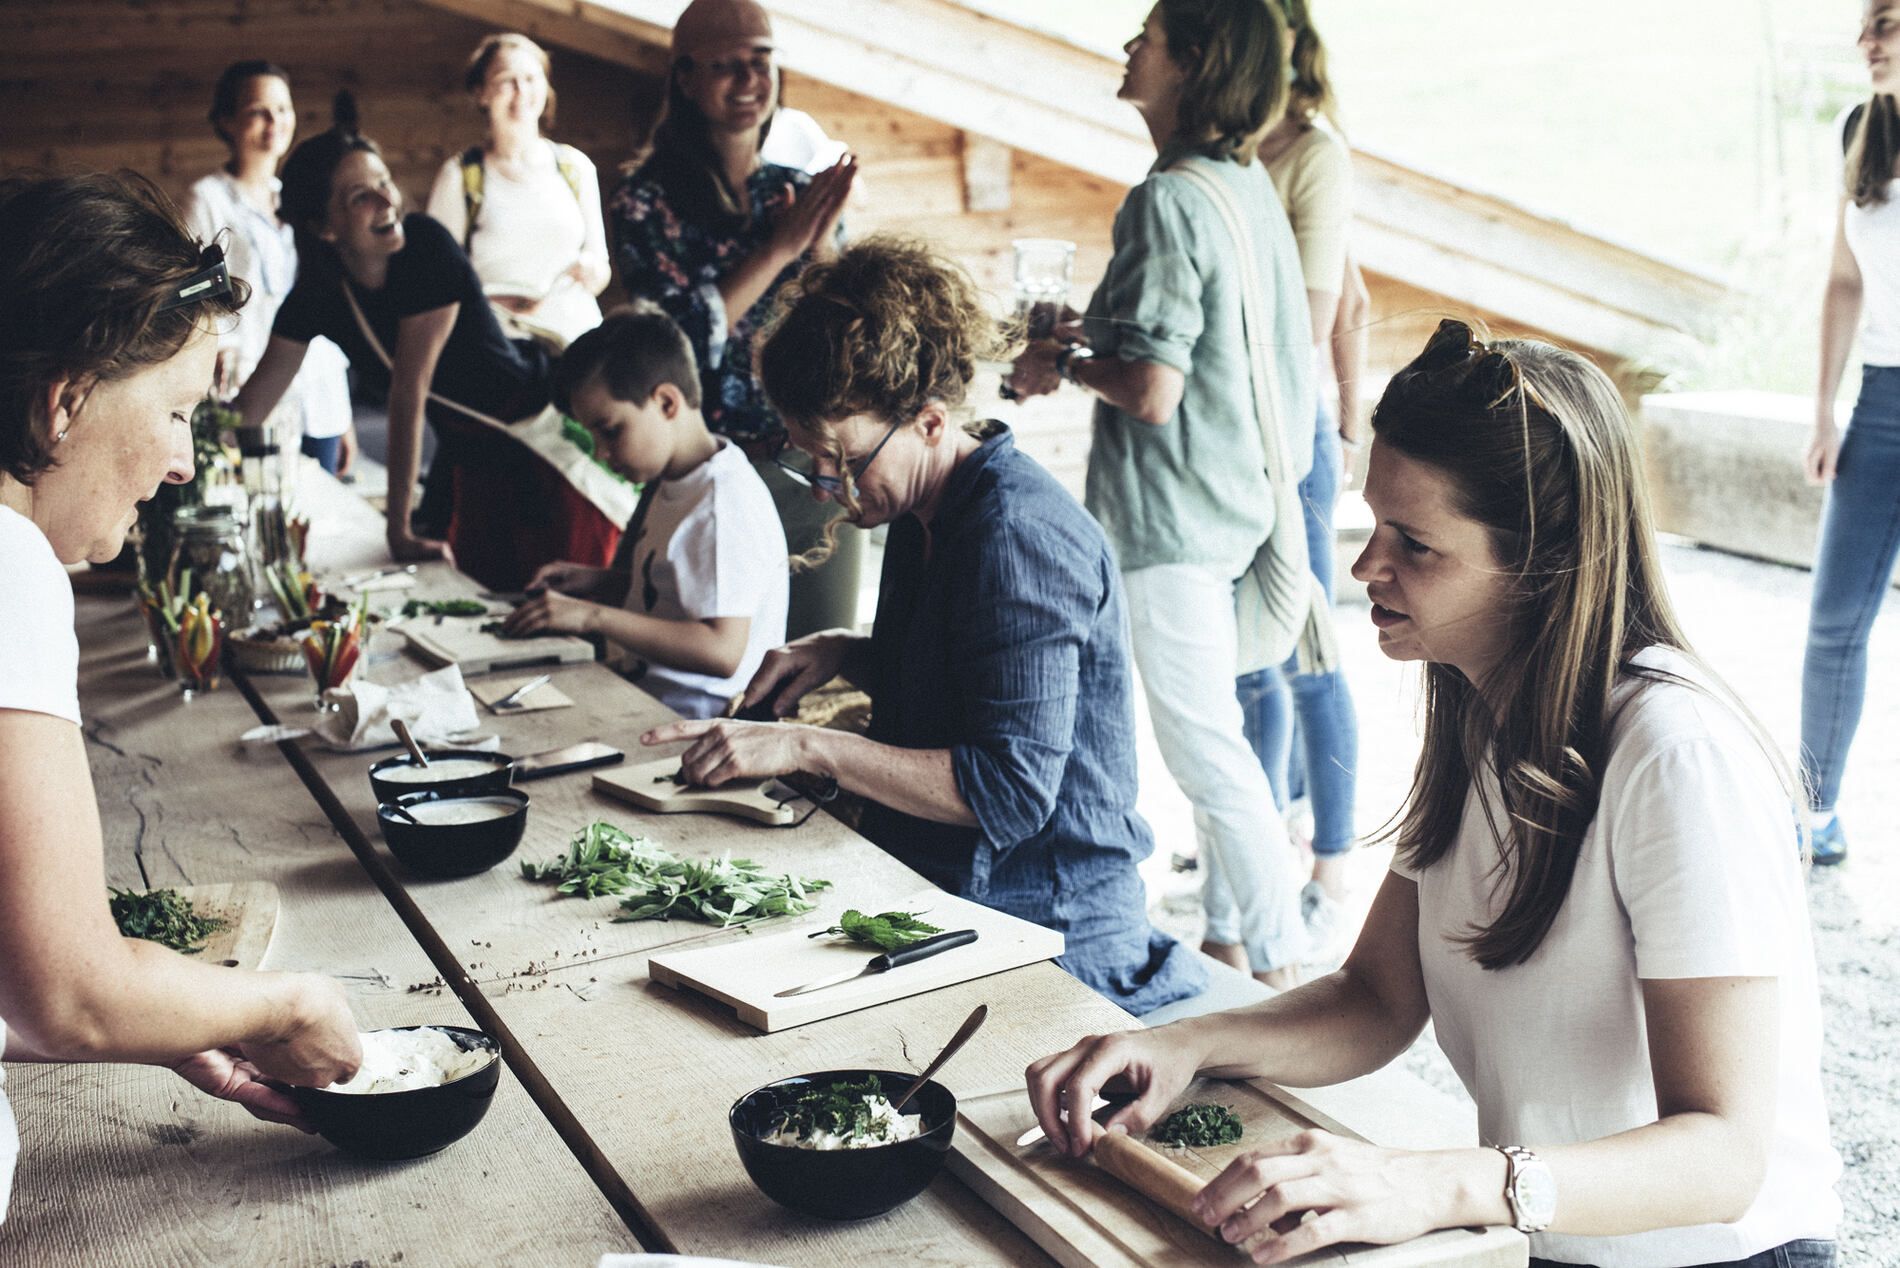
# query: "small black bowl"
[[487, 781], [453, 849], [392, 1125], [843, 1184]]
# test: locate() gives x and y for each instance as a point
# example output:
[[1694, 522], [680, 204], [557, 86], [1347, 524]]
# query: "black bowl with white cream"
[[453, 835], [420, 1089], [453, 772]]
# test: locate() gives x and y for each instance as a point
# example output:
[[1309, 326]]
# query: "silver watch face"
[[1536, 1191]]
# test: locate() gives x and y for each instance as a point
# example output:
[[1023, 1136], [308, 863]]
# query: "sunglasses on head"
[[211, 280]]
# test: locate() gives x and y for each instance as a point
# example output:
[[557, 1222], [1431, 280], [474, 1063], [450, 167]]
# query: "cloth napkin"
[[437, 708]]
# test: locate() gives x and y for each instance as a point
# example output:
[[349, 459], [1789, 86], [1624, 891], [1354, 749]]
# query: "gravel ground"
[[1748, 619]]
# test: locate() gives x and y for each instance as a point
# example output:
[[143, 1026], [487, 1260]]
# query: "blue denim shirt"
[[1007, 644]]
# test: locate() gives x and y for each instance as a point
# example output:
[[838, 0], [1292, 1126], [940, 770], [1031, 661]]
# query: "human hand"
[[225, 1074], [1153, 1064], [1034, 373], [787, 674], [346, 451], [318, 1044], [563, 575], [810, 216], [724, 750], [1355, 1192], [550, 612], [1824, 453], [407, 548]]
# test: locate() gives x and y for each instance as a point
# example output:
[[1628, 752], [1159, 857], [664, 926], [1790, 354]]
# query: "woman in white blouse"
[[526, 209], [251, 112]]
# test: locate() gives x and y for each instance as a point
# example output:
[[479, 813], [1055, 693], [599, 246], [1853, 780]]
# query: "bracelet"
[[1066, 358]]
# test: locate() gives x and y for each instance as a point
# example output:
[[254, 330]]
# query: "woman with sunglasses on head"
[[398, 296], [999, 762], [107, 342], [1199, 354], [525, 208], [1860, 522], [236, 206], [707, 229], [1596, 900]]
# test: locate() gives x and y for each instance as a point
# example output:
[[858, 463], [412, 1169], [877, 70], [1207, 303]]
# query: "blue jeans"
[[325, 449], [1806, 1253], [1307, 737], [1860, 536]]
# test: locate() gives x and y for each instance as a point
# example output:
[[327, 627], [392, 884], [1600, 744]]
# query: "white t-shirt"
[[1688, 870], [260, 249], [1873, 235], [798, 141], [712, 546], [38, 674], [529, 231]]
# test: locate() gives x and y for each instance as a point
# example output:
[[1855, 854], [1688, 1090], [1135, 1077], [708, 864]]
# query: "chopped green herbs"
[[444, 607], [164, 916], [889, 931], [839, 1109], [659, 885], [1198, 1127]]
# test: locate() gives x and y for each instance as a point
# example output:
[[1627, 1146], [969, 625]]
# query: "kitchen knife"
[[888, 961], [514, 698], [1036, 1133]]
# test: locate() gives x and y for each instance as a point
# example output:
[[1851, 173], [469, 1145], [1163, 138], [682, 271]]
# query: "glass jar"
[[208, 544]]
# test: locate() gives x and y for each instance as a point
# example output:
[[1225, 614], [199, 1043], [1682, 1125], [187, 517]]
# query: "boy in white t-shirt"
[[698, 591]]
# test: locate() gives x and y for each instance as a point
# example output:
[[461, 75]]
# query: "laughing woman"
[[1596, 900]]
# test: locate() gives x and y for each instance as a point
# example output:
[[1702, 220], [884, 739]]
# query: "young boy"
[[698, 591]]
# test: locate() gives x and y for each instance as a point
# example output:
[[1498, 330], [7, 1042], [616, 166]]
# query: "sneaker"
[[1323, 918], [1827, 844]]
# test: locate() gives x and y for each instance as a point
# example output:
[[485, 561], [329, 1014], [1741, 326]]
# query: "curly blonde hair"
[[885, 329]]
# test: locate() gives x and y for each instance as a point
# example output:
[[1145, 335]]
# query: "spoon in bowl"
[[970, 1026], [402, 813], [409, 742]]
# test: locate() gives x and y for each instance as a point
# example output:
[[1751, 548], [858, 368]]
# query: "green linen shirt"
[[1194, 490]]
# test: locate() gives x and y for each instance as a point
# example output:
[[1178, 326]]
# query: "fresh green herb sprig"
[[838, 1108], [1199, 1127], [603, 860], [599, 863], [887, 931], [445, 607], [164, 916]]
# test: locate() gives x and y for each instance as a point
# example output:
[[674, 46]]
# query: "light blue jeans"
[[1307, 737], [1860, 537]]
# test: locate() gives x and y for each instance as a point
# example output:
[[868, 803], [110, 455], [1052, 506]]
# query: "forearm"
[[1349, 345], [1840, 315], [1143, 390], [1330, 1030], [746, 285], [693, 646], [919, 782], [405, 455]]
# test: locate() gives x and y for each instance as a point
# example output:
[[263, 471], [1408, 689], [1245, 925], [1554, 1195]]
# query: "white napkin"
[[437, 708]]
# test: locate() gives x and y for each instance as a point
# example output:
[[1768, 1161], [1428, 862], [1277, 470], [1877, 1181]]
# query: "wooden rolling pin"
[[1149, 1174]]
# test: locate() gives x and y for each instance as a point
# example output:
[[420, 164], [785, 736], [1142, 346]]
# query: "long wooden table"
[[611, 1126]]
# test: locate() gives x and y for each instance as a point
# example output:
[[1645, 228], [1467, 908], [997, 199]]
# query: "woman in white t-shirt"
[[236, 206], [1597, 897], [526, 209], [106, 344], [1860, 523]]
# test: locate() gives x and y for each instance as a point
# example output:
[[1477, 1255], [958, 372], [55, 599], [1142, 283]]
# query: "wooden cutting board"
[[459, 640], [250, 907], [1083, 1216], [650, 786], [746, 973]]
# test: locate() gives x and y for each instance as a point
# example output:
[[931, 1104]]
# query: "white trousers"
[[1184, 635]]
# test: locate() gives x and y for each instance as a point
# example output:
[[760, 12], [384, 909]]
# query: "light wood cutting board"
[[650, 786], [746, 973], [1083, 1216], [251, 909], [459, 640]]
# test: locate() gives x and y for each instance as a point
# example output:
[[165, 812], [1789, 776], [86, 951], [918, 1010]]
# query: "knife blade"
[[886, 962], [516, 696], [1036, 1133]]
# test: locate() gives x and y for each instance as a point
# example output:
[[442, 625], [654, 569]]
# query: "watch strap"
[[1517, 1160]]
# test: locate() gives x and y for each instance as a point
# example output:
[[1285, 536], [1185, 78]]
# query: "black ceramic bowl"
[[487, 781], [843, 1184], [453, 849], [408, 1124]]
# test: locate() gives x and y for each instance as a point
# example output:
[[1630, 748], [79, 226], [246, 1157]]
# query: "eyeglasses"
[[833, 485], [209, 282]]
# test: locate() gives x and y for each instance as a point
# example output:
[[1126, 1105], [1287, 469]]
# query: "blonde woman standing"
[[526, 209]]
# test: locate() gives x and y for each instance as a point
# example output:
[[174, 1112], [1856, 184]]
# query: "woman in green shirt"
[[1185, 462]]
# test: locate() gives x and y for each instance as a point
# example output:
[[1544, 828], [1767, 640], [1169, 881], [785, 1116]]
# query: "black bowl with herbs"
[[458, 835], [840, 1184], [394, 776], [409, 1124]]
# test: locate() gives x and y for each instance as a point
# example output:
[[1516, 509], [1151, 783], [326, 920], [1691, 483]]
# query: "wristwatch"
[[1529, 1188], [1066, 359]]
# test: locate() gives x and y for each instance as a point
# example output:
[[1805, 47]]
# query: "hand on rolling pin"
[[724, 750], [1144, 1062], [1356, 1192]]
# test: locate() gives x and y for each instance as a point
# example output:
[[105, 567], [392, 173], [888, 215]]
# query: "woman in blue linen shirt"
[[1000, 761]]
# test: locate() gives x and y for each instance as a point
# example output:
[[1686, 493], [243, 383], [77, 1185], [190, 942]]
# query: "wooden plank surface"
[[128, 1165]]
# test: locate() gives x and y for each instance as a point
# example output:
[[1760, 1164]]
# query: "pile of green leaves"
[[838, 1108], [1198, 1127], [445, 607], [164, 916], [603, 860], [887, 931]]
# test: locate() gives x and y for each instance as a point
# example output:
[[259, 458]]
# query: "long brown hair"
[[679, 156], [1871, 151], [1310, 90], [1539, 448], [1235, 56]]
